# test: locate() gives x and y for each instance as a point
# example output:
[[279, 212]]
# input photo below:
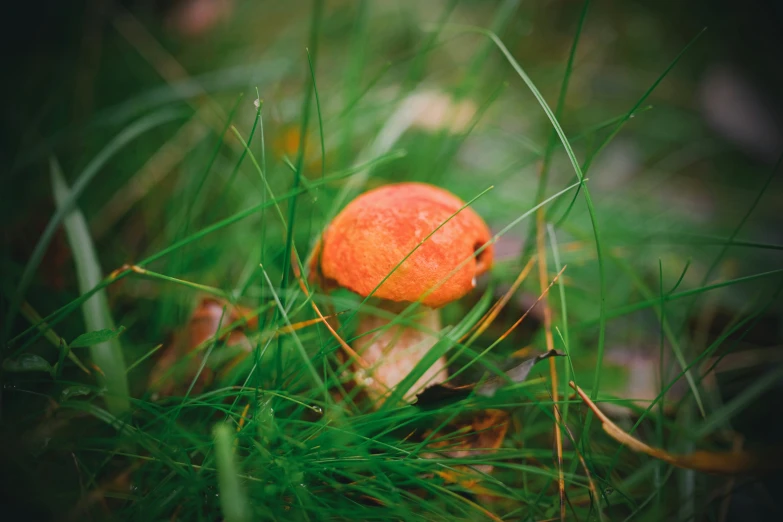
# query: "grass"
[[648, 293]]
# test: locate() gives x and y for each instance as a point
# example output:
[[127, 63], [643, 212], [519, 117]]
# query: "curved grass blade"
[[588, 200], [107, 354]]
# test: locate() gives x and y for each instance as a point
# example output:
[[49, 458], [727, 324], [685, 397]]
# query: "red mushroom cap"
[[378, 229]]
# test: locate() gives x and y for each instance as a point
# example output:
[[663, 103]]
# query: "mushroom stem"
[[393, 351]]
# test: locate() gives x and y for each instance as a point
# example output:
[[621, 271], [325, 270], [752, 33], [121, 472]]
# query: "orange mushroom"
[[360, 251]]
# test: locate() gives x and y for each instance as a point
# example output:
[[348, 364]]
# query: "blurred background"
[[137, 96]]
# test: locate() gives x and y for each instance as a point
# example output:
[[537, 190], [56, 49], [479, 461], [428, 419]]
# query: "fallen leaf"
[[484, 434], [728, 463]]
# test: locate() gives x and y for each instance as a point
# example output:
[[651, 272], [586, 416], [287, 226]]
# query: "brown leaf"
[[729, 463], [484, 435]]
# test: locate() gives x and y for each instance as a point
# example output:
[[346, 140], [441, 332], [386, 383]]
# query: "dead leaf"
[[728, 463], [484, 434]]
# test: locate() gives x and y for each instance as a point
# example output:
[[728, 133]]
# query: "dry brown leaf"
[[728, 463], [484, 434]]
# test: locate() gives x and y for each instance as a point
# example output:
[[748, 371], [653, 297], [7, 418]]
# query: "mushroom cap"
[[365, 242]]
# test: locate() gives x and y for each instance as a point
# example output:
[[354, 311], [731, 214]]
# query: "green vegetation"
[[178, 186]]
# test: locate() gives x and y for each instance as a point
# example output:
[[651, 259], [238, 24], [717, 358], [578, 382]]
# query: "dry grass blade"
[[550, 345], [496, 308], [345, 346], [727, 463], [540, 297]]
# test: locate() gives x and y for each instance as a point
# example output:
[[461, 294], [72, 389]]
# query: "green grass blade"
[[233, 500], [731, 239], [644, 97], [107, 355], [315, 24], [318, 112], [553, 141], [649, 303], [588, 201], [504, 15], [627, 117]]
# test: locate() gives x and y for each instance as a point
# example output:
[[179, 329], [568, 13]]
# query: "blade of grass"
[[659, 469], [543, 278], [354, 67], [542, 263], [500, 21], [739, 227], [107, 356], [630, 114], [215, 204], [588, 201], [741, 401], [563, 319], [305, 357], [34, 318], [233, 499], [498, 306], [318, 112], [665, 326], [649, 303], [154, 171], [315, 24], [553, 137], [189, 284]]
